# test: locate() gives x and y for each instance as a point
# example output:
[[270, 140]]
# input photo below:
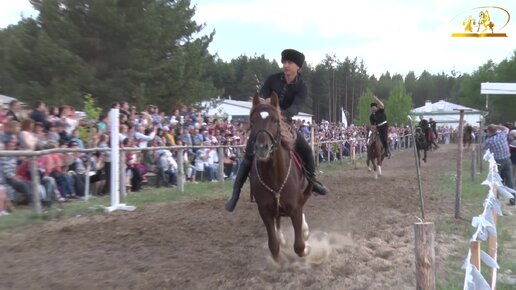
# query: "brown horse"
[[375, 152], [277, 182], [467, 136]]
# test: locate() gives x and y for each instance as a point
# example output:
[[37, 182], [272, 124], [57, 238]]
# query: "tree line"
[[153, 52]]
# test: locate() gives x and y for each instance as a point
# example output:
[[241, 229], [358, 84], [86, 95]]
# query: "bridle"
[[275, 138]]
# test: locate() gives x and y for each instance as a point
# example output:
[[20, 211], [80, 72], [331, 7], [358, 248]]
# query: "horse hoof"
[[369, 169]]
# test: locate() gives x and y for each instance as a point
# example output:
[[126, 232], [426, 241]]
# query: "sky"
[[396, 35]]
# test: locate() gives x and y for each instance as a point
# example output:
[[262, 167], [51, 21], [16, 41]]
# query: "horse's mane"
[[288, 134]]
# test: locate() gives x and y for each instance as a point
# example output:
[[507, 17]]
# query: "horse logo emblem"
[[485, 21]]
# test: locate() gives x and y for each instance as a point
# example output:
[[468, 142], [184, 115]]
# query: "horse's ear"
[[274, 99], [256, 99]]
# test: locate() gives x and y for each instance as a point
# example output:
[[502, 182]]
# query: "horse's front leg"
[[299, 239], [281, 237], [375, 167], [268, 217]]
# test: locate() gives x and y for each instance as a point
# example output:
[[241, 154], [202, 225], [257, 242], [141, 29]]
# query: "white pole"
[[115, 157], [115, 164]]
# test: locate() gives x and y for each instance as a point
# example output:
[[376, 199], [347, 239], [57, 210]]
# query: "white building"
[[447, 114], [239, 110]]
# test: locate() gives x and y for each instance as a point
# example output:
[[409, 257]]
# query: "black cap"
[[374, 105], [294, 56]]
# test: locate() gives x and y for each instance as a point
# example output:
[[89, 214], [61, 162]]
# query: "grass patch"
[[96, 205], [473, 196]]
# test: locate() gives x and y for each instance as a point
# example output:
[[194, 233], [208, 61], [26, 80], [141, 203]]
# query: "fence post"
[[492, 249], [220, 173], [87, 179], [475, 254], [353, 157], [425, 255], [34, 174], [180, 170], [123, 191], [458, 190], [473, 163]]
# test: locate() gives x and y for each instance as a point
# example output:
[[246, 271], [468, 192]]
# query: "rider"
[[425, 126], [379, 119], [292, 92], [433, 126]]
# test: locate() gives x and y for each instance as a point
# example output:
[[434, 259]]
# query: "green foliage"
[[110, 49], [90, 108], [364, 108], [398, 105], [501, 107]]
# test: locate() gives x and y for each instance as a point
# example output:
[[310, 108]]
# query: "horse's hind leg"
[[299, 241], [268, 218]]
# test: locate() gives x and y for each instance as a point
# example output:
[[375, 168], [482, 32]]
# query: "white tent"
[[239, 110], [5, 100], [447, 114]]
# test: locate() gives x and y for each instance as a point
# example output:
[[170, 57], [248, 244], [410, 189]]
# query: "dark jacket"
[[291, 96], [378, 117]]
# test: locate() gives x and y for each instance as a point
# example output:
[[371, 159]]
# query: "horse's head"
[[265, 119]]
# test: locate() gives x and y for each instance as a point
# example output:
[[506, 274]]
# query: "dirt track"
[[362, 238]]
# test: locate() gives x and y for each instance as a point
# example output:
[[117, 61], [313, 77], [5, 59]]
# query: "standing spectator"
[[15, 112], [497, 143], [512, 147], [39, 115], [26, 136]]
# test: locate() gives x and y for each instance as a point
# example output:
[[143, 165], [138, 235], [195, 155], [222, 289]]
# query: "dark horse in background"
[[277, 179], [467, 136], [375, 152], [421, 143]]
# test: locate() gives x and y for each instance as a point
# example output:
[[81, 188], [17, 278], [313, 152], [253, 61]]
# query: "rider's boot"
[[243, 172], [309, 164]]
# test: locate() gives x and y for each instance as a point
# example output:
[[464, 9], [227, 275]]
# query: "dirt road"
[[362, 238]]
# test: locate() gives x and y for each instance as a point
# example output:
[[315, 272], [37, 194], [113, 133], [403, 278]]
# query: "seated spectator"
[[8, 166], [3, 202], [167, 169]]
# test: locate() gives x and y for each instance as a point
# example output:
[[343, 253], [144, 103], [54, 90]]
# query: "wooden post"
[[353, 160], [328, 147], [34, 175], [492, 250], [220, 173], [123, 191], [180, 170], [473, 163], [87, 178], [475, 254], [458, 189], [425, 255]]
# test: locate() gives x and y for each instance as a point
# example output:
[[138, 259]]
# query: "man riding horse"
[[292, 92], [379, 119], [425, 126]]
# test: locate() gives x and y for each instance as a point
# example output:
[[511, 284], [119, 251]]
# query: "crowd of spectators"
[[63, 175]]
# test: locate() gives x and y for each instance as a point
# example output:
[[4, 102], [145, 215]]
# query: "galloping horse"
[[375, 152], [421, 143], [467, 136], [277, 179]]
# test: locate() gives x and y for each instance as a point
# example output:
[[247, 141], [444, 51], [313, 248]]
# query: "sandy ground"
[[362, 238]]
